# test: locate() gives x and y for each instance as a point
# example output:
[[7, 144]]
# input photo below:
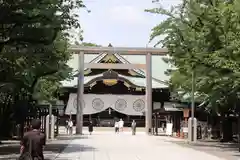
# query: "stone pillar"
[[192, 130], [80, 93], [148, 94], [50, 124]]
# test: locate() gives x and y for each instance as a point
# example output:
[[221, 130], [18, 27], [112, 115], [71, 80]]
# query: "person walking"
[[33, 142], [121, 124], [90, 127], [70, 127], [133, 125], [66, 126], [116, 125]]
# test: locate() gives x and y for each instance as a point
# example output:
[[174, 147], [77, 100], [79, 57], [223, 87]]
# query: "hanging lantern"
[[109, 111], [110, 82]]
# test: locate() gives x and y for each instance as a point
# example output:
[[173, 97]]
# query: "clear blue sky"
[[120, 22]]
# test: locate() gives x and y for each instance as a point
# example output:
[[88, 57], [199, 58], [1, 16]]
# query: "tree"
[[27, 33], [36, 22], [29, 75], [33, 44], [203, 37]]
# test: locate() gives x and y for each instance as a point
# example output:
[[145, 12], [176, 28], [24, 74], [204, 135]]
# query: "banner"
[[95, 103]]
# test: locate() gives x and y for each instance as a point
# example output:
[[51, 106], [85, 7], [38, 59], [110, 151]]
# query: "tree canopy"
[[34, 37], [203, 37], [34, 40]]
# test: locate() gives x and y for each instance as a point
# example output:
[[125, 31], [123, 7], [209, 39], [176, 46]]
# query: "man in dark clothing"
[[34, 141], [90, 127]]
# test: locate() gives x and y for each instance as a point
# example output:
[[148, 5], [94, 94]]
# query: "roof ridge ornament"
[[110, 74]]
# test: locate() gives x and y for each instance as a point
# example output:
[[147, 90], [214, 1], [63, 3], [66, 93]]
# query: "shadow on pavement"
[[216, 148], [79, 148], [10, 150], [66, 137]]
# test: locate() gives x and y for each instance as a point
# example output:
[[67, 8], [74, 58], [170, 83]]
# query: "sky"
[[123, 23]]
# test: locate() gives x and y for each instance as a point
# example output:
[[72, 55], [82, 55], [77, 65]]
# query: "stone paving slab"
[[224, 150], [10, 151], [124, 146]]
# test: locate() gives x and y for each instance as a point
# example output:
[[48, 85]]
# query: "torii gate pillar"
[[80, 93], [148, 94]]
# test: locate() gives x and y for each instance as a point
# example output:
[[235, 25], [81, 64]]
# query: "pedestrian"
[[32, 143], [66, 126], [70, 126], [133, 126], [121, 124], [116, 125], [90, 127]]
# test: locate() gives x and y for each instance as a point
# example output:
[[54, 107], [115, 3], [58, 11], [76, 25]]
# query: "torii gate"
[[81, 50]]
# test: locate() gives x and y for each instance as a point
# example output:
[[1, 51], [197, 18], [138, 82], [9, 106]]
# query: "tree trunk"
[[238, 129], [227, 130]]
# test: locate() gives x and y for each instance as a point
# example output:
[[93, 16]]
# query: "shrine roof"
[[159, 67], [139, 82]]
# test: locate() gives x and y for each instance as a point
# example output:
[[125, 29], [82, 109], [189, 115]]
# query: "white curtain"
[[95, 103]]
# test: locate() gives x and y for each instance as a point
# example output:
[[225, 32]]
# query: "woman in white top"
[[70, 127], [121, 124]]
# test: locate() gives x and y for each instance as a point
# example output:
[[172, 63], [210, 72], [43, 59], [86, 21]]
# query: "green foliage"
[[89, 44], [203, 37], [33, 42], [34, 37], [36, 21]]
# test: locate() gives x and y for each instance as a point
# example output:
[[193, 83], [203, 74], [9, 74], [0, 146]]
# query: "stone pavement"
[[10, 149], [224, 150], [107, 145]]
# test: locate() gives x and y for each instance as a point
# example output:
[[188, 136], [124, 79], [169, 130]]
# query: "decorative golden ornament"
[[110, 58], [110, 82]]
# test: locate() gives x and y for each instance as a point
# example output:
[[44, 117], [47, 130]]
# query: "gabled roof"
[[138, 82], [118, 58], [159, 67]]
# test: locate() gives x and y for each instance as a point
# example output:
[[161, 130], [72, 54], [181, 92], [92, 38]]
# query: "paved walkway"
[[10, 149], [106, 145]]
